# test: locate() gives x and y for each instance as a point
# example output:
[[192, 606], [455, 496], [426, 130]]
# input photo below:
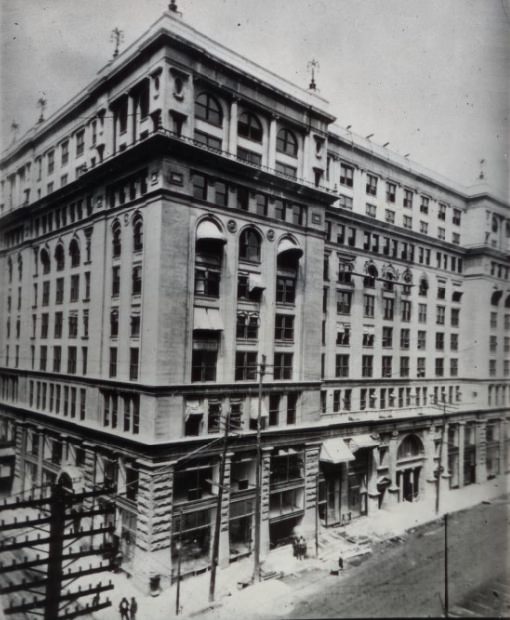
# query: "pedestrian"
[[340, 563], [295, 546], [124, 609], [303, 547], [133, 608]]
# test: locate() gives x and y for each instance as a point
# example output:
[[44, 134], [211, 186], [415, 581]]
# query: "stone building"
[[190, 212]]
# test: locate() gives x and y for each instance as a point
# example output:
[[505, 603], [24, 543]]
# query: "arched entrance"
[[410, 457]]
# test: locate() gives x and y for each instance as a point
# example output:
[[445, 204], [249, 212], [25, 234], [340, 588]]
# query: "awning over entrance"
[[208, 231], [289, 248], [207, 319], [255, 282], [363, 441], [335, 451], [193, 407]]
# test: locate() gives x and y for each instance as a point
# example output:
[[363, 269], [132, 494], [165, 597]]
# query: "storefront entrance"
[[409, 483], [281, 532], [410, 457]]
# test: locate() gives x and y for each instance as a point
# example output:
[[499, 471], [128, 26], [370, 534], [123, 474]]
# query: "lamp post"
[[258, 476]]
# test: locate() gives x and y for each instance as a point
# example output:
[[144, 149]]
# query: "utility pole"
[[54, 583], [179, 553], [440, 464], [217, 525], [258, 475], [446, 565]]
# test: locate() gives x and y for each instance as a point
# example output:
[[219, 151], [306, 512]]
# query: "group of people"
[[128, 610], [299, 547]]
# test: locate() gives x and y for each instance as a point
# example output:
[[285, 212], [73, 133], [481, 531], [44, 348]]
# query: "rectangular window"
[[136, 280], [205, 139], [367, 365], [422, 313], [246, 366], [371, 186], [341, 365], [408, 222], [279, 209], [387, 365], [439, 341], [59, 291], [80, 142], [43, 357], [115, 281], [286, 170], [454, 367], [221, 193], [420, 367], [388, 308], [199, 186], [57, 356], [440, 315], [345, 202], [133, 363], [75, 288], [408, 198], [203, 363], [455, 313], [368, 306], [424, 205], [406, 310], [113, 362], [282, 366], [389, 216], [404, 367], [46, 293], [424, 229], [51, 162], [346, 175], [84, 356], [72, 322], [297, 215], [387, 337], [44, 325], [391, 192], [285, 289], [343, 302], [404, 338], [441, 234], [249, 156], [71, 360], [439, 366], [441, 214], [284, 327], [422, 340], [261, 204], [343, 334], [456, 217], [368, 336]]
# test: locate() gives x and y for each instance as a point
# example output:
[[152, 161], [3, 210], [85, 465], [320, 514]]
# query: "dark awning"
[[208, 231], [288, 247], [335, 451]]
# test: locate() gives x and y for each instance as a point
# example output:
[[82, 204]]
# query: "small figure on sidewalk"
[[340, 563], [295, 546], [303, 547], [133, 608], [124, 609]]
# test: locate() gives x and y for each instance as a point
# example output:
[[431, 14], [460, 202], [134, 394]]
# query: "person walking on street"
[[295, 546], [340, 563], [133, 608], [124, 609], [303, 547]]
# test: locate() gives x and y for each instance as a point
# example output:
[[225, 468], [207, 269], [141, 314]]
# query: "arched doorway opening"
[[410, 457]]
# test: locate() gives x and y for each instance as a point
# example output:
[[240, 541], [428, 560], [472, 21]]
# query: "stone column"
[[502, 441], [154, 522], [372, 493], [224, 548], [393, 489], [481, 451], [271, 152], [264, 500], [232, 130], [312, 451], [462, 441], [131, 119], [430, 465]]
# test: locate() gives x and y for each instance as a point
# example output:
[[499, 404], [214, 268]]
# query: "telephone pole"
[[258, 475], [217, 525], [440, 464]]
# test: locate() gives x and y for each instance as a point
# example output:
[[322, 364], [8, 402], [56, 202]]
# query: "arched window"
[[389, 280], [138, 234], [45, 261], [495, 297], [60, 257], [208, 109], [208, 259], [249, 126], [287, 267], [286, 142], [249, 245], [424, 287], [116, 241], [410, 446], [74, 253]]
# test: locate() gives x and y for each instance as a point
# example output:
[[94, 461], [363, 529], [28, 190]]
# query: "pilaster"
[[372, 492], [271, 153], [232, 131], [393, 489]]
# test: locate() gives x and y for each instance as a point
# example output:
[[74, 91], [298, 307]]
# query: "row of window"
[[371, 189], [56, 364], [343, 337], [76, 282], [342, 366], [8, 388], [277, 409], [344, 306], [58, 325], [64, 399], [134, 357], [241, 197], [500, 271], [389, 398], [493, 321], [121, 410], [493, 368]]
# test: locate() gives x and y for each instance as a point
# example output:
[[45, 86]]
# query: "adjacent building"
[[191, 224]]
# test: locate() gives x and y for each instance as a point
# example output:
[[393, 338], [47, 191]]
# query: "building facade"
[[187, 214]]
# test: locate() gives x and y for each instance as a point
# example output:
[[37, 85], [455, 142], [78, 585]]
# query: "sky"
[[429, 77]]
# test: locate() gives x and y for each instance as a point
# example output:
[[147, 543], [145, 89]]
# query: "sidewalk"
[[350, 540]]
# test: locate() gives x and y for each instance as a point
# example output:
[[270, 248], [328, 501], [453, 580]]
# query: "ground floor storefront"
[[165, 510]]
